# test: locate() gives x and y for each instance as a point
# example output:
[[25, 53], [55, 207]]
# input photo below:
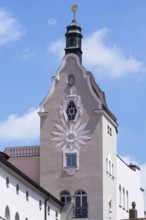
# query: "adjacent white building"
[[22, 198], [128, 189], [77, 158]]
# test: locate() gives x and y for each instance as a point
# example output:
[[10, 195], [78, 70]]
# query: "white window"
[[80, 199], [127, 201], [56, 214], [110, 167], [17, 189], [123, 198], [71, 160], [81, 205], [49, 210], [40, 204], [109, 130], [110, 208], [120, 196], [7, 213], [17, 216], [27, 195], [112, 173], [65, 196], [107, 165], [7, 182]]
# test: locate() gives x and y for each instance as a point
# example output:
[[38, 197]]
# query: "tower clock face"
[[71, 111]]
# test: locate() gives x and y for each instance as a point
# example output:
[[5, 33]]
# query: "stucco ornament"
[[64, 106], [70, 135]]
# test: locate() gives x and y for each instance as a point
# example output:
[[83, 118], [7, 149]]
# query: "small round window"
[[71, 80]]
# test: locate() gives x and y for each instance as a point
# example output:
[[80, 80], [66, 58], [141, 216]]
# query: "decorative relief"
[[70, 135], [71, 99]]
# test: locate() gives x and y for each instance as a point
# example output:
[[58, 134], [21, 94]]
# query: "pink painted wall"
[[26, 159]]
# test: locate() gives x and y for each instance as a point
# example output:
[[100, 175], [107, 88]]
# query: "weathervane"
[[74, 9]]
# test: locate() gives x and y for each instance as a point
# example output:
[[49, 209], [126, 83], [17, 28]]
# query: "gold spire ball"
[[74, 9]]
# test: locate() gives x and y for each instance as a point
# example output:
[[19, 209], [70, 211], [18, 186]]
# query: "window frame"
[[71, 159], [66, 195]]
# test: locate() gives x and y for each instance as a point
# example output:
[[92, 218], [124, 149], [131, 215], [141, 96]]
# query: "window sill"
[[67, 167], [71, 170]]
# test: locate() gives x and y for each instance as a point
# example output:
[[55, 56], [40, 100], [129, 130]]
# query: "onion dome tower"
[[74, 36]]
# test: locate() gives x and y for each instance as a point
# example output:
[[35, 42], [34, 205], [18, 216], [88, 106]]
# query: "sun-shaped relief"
[[70, 135]]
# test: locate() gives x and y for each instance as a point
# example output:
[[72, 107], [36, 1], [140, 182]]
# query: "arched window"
[[65, 196], [80, 198], [7, 182], [110, 208], [120, 196], [17, 189], [123, 198], [27, 195], [40, 204], [107, 165], [7, 213], [127, 201], [72, 41], [17, 216], [49, 210], [112, 170], [81, 206], [56, 215]]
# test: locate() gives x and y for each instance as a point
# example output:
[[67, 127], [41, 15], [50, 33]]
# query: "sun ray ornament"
[[70, 135]]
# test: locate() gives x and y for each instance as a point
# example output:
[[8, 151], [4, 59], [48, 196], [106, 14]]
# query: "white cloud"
[[20, 128], [57, 48], [10, 28], [52, 21], [109, 61]]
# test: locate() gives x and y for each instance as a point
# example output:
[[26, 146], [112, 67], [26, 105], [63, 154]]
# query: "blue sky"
[[32, 45]]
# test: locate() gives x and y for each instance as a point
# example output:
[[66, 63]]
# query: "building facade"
[[22, 198], [77, 159]]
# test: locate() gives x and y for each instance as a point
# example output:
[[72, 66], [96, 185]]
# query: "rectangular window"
[[71, 160]]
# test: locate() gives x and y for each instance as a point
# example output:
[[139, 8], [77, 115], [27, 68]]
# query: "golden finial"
[[74, 9]]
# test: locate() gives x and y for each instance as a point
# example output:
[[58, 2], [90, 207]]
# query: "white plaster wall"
[[18, 203], [109, 179], [130, 180]]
